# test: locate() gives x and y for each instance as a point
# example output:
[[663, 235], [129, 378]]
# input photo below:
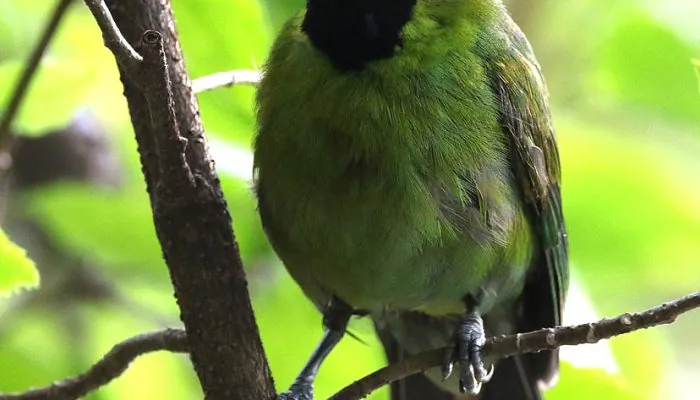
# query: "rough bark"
[[190, 213]]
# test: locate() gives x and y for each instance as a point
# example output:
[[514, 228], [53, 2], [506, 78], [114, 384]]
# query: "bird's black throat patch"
[[354, 32]]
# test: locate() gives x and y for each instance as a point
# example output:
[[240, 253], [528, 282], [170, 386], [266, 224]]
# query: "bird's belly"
[[371, 276], [380, 250], [425, 280]]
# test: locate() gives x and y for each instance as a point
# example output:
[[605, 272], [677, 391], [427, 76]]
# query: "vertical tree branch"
[[190, 213]]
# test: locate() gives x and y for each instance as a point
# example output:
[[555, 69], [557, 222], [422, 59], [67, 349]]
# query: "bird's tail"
[[415, 387], [511, 380]]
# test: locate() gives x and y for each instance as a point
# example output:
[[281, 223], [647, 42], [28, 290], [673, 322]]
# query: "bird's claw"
[[466, 349], [298, 391]]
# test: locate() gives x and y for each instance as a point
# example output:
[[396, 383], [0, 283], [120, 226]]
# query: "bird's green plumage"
[[368, 178], [419, 178]]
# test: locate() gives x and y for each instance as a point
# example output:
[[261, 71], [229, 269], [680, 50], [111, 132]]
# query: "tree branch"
[[20, 91], [532, 342], [169, 145], [190, 213], [112, 37], [115, 362], [112, 365], [226, 79]]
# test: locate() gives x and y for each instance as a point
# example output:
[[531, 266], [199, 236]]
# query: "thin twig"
[[28, 73], [115, 362], [113, 38], [112, 365], [226, 79], [544, 339]]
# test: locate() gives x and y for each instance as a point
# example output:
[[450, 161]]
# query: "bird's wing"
[[522, 98]]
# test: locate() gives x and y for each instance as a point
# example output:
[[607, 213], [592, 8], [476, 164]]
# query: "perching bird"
[[407, 169]]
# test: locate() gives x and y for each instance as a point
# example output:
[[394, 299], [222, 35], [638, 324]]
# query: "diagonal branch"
[[25, 80], [531, 342], [115, 362], [112, 365]]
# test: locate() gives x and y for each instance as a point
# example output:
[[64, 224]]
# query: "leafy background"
[[627, 109]]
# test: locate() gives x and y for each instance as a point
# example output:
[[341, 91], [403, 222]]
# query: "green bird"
[[406, 168]]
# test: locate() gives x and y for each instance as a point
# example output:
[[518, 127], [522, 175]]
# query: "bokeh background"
[[625, 98]]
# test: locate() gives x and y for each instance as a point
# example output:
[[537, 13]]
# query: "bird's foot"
[[298, 391], [466, 349]]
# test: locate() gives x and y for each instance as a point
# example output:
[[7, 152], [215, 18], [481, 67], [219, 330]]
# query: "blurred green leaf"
[[58, 89], [17, 270]]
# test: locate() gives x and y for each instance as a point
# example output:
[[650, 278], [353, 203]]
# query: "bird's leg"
[[335, 320], [466, 348]]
